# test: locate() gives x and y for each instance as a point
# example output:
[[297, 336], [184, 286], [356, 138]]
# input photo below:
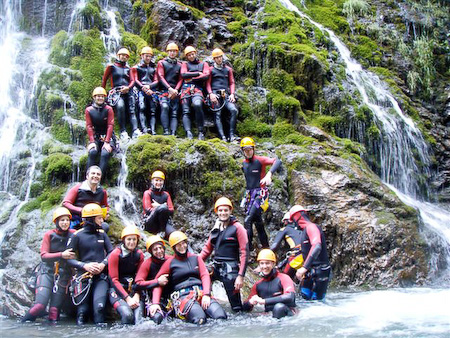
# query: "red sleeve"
[[46, 255], [208, 83], [204, 74], [142, 274], [252, 291], [147, 201], [157, 292], [243, 248], [204, 276], [106, 75], [265, 161], [131, 82], [113, 272], [154, 84], [180, 82], [231, 80], [169, 202], [105, 199], [134, 76], [207, 250], [70, 199], [161, 74], [313, 233], [89, 126], [110, 129], [286, 283]]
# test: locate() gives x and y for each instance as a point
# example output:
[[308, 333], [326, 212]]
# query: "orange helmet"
[[61, 211], [216, 53], [130, 230], [147, 50], [172, 46], [223, 201], [267, 254], [189, 49]]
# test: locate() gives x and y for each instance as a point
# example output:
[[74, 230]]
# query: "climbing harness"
[[77, 289], [114, 96]]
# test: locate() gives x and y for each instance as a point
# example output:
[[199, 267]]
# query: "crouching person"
[[123, 264], [189, 285], [275, 290], [92, 246], [146, 279]]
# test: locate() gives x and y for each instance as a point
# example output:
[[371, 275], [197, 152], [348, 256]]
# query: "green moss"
[[134, 43], [47, 200], [284, 105], [196, 13], [59, 54], [57, 167], [60, 129], [367, 51], [256, 128], [329, 13], [326, 122], [384, 217], [91, 15]]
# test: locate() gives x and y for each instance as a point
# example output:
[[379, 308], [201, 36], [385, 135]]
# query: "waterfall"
[[74, 16], [401, 139], [111, 39]]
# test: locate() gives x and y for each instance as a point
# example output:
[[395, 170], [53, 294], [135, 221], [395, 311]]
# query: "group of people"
[[177, 285], [141, 89]]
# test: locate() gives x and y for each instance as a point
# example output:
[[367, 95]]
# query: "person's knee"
[[157, 318], [126, 314], [280, 310], [306, 293], [215, 311], [196, 315]]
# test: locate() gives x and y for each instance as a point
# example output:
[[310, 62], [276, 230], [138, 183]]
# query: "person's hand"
[[107, 147], [267, 180], [155, 204], [131, 301], [93, 268], [124, 89], [91, 146], [256, 300], [206, 301], [172, 93], [68, 254], [154, 308], [238, 283], [213, 98], [300, 274], [232, 98], [163, 279]]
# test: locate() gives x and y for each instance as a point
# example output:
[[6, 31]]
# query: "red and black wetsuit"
[[255, 170], [278, 291], [53, 244], [315, 255], [169, 76], [145, 74], [119, 75], [221, 83], [99, 127], [185, 273], [122, 269], [157, 219], [194, 75], [230, 247], [91, 245]]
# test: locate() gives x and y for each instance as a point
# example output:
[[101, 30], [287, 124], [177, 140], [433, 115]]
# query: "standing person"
[[189, 285], [100, 129], [121, 82], [228, 240], [158, 206], [146, 277], [123, 264], [315, 274], [92, 246], [54, 273], [194, 74], [88, 191], [221, 93], [145, 79], [169, 76], [275, 290], [256, 199], [292, 235]]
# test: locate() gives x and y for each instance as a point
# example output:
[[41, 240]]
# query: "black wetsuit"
[[51, 286], [157, 219], [91, 245], [292, 235]]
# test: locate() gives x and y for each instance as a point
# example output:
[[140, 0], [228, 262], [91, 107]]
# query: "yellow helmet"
[[123, 51], [61, 211], [158, 174], [267, 254], [147, 50], [247, 142], [152, 240], [189, 49], [223, 201], [177, 237], [99, 91], [91, 210], [172, 46], [216, 53], [130, 230]]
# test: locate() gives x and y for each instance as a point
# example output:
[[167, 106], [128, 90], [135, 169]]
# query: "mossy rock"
[[57, 168]]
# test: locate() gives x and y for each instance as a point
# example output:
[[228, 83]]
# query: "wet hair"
[[93, 167]]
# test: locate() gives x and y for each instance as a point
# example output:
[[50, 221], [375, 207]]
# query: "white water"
[[74, 16], [111, 39]]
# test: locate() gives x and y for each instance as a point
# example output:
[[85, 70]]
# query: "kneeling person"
[[275, 290]]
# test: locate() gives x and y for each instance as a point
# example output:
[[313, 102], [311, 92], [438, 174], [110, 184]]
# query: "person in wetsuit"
[[54, 273], [92, 246], [291, 234], [315, 274], [228, 240], [189, 285], [275, 290], [169, 77], [222, 91], [99, 126], [158, 206], [256, 199], [146, 81], [123, 264], [121, 82], [194, 73], [89, 191], [146, 279]]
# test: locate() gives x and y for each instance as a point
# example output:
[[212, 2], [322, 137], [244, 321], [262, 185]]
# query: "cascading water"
[[75, 23], [401, 140], [111, 37]]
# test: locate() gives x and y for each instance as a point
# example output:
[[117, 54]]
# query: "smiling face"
[[248, 152], [224, 212], [158, 183], [99, 99], [158, 250], [94, 176], [191, 56], [181, 247], [130, 242], [266, 266], [123, 57], [173, 53], [146, 58], [64, 222]]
